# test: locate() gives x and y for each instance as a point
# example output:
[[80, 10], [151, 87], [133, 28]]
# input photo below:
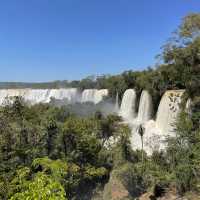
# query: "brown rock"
[[115, 190]]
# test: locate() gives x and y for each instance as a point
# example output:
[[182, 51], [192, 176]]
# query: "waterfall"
[[145, 107], [151, 137], [144, 115], [155, 132], [168, 111], [117, 102], [100, 94], [71, 94], [34, 96], [188, 106], [9, 93], [3, 95], [93, 95], [127, 109], [37, 96], [88, 95]]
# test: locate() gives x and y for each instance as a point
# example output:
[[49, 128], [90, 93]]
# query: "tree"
[[183, 154], [190, 27], [42, 187], [141, 131]]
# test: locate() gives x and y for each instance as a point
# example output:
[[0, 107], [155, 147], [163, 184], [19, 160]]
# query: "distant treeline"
[[41, 85]]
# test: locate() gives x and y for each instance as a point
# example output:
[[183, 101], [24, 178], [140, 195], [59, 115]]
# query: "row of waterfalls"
[[72, 95], [156, 127]]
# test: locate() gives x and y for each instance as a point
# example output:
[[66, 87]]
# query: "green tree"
[[42, 187]]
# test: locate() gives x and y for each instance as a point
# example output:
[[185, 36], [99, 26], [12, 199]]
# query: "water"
[[168, 110], [145, 107], [34, 96], [117, 102], [155, 131], [128, 105], [93, 95], [72, 95]]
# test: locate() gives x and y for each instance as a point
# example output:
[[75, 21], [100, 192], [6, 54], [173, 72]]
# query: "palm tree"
[[141, 131]]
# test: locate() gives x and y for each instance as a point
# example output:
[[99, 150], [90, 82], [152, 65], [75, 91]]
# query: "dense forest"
[[48, 152]]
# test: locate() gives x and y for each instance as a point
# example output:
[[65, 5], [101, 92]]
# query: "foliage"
[[41, 187], [45, 143]]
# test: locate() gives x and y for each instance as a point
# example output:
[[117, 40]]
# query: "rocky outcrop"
[[115, 190], [123, 184], [167, 196], [170, 194]]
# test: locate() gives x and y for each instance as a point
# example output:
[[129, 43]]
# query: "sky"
[[46, 40]]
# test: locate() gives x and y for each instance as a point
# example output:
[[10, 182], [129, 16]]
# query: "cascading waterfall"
[[93, 95], [9, 93], [188, 106], [117, 102], [88, 95], [144, 115], [155, 132], [72, 95], [168, 111], [127, 109], [37, 96], [145, 107], [100, 94], [34, 96]]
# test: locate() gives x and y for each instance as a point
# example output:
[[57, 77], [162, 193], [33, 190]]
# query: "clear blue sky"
[[44, 40]]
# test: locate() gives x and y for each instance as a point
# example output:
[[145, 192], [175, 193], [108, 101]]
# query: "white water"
[[188, 106], [144, 115], [34, 96], [72, 94], [145, 107], [117, 102], [37, 96], [128, 105], [168, 111], [93, 95], [100, 95], [156, 131]]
